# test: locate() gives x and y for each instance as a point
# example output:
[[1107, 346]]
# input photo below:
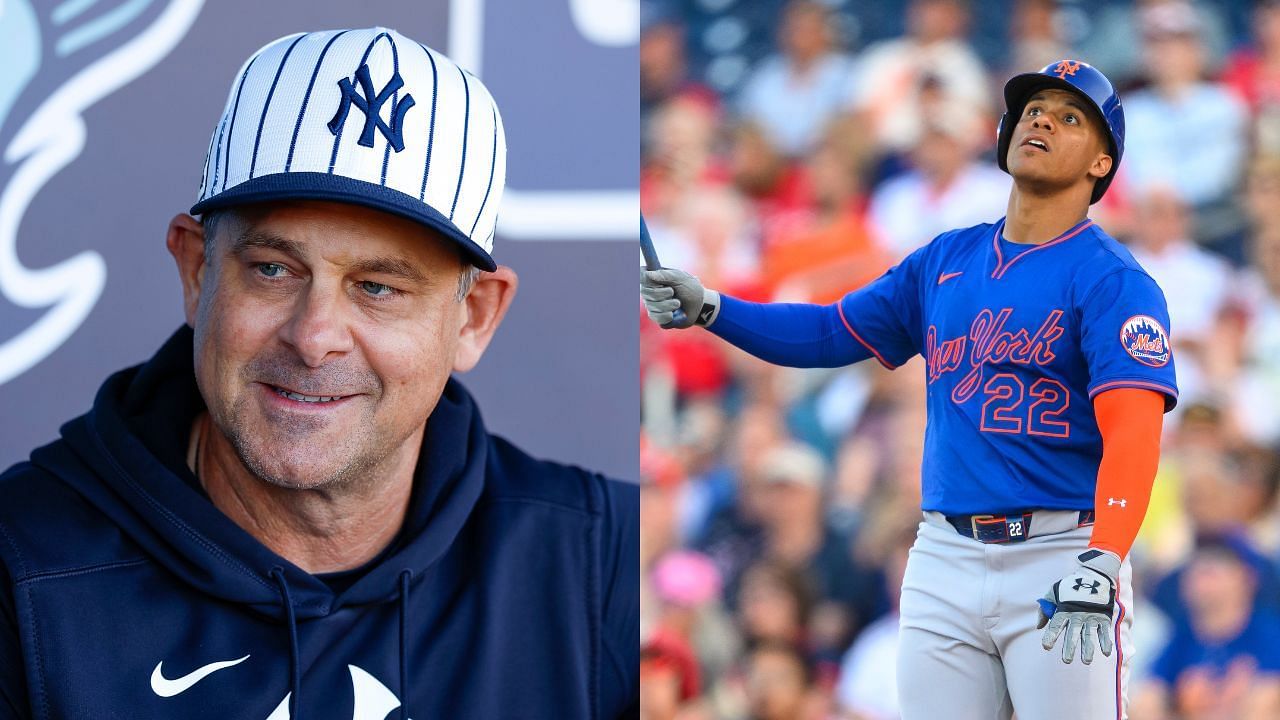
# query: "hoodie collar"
[[127, 459]]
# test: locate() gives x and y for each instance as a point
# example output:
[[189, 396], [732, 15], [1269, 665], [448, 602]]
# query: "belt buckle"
[[973, 523]]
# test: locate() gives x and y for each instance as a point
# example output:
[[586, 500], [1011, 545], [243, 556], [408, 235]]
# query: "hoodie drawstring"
[[295, 676], [405, 575]]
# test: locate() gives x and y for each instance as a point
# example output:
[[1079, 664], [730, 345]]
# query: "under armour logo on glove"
[[1081, 607], [371, 105], [1093, 586]]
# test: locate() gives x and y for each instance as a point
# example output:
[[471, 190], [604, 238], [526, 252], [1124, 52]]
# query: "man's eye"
[[1033, 111], [377, 289], [1072, 119], [270, 269]]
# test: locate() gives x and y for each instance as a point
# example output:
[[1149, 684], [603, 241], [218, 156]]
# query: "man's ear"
[[484, 309], [185, 241], [1101, 166]]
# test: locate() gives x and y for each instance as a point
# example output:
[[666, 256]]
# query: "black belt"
[[1013, 527]]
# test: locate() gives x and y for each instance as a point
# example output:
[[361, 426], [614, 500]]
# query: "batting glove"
[[666, 290], [1083, 603]]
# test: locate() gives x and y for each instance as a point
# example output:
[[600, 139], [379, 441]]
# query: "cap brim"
[[323, 186]]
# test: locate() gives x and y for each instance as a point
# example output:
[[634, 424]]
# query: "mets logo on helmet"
[[59, 58], [1145, 340], [1067, 67]]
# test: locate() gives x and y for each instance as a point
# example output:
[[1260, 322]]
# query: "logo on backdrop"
[[60, 57], [579, 41]]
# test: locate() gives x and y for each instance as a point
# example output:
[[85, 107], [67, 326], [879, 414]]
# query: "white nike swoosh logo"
[[165, 687]]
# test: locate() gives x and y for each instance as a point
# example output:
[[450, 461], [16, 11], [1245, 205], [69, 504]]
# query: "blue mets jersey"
[[1017, 340]]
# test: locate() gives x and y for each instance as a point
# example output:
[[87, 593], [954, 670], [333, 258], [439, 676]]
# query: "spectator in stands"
[[734, 538], [868, 687], [701, 432], [1218, 500], [1036, 36], [774, 603], [820, 255], [794, 94], [1223, 661], [778, 682], [947, 187], [1196, 283], [889, 77], [663, 68], [686, 585], [669, 677], [776, 188], [1106, 34], [661, 478], [1259, 487], [679, 157], [1258, 345], [1253, 72], [797, 535], [715, 238], [1182, 130]]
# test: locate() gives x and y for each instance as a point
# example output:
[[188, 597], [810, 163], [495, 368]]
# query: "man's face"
[[324, 334], [1057, 142], [1216, 578], [804, 31]]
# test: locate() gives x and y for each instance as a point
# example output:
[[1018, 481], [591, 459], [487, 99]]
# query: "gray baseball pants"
[[969, 648]]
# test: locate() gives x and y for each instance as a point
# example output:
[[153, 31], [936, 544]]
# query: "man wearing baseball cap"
[[292, 510], [1049, 369]]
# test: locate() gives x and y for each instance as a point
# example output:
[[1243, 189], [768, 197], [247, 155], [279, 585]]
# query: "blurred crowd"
[[792, 151]]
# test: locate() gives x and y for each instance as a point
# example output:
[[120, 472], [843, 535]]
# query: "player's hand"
[[1083, 603], [666, 290]]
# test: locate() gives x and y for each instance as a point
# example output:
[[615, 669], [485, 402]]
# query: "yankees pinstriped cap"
[[368, 117]]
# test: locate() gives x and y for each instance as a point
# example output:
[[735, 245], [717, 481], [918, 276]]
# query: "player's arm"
[[791, 334], [880, 320], [1130, 421], [1083, 603], [1123, 317]]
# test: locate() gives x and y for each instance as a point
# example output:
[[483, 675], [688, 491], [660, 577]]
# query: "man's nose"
[[319, 326]]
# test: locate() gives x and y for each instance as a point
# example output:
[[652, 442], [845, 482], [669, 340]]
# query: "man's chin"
[[298, 465]]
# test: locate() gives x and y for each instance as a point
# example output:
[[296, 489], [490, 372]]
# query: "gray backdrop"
[[560, 379]]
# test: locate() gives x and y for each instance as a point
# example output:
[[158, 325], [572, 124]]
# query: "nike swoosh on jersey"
[[947, 276], [165, 687]]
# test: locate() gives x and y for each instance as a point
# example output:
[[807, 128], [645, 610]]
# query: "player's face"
[[324, 334], [1057, 143]]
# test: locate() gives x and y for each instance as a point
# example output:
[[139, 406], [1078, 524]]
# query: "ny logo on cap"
[[371, 106]]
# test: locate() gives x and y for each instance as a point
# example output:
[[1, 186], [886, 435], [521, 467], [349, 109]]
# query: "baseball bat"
[[651, 263]]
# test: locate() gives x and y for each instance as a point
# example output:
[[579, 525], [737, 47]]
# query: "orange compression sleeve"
[[1130, 421]]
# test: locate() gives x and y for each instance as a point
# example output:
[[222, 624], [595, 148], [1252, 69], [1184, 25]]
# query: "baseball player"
[[1049, 369], [292, 510]]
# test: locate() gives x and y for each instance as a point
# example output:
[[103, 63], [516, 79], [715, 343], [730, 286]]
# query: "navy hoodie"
[[511, 592]]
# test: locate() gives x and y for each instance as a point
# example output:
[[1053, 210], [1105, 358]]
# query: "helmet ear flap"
[[1003, 135]]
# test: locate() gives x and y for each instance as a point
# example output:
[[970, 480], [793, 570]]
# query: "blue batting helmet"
[[1074, 76]]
